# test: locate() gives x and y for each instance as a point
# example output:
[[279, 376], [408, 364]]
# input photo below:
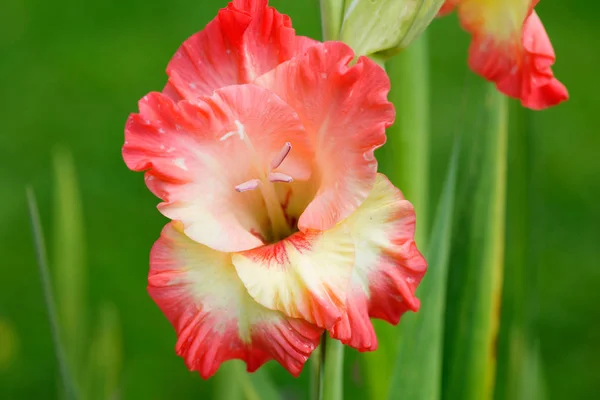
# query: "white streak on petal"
[[180, 162]]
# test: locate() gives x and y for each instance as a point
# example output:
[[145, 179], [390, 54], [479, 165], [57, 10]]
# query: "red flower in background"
[[511, 48], [261, 147]]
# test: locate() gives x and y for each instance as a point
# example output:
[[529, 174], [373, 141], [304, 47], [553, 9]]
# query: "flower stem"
[[332, 384], [405, 160], [408, 139], [331, 18]]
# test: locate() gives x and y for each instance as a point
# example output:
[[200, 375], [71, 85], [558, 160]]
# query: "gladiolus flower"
[[511, 48], [261, 147]]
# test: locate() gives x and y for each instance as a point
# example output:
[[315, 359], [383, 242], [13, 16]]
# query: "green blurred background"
[[71, 72]]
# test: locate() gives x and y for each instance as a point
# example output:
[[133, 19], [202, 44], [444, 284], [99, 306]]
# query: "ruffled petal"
[[303, 43], [196, 154], [510, 47], [542, 90], [244, 41], [345, 112], [388, 266], [214, 317], [304, 276]]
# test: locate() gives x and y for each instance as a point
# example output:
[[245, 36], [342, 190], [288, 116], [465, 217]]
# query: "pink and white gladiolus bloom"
[[261, 148]]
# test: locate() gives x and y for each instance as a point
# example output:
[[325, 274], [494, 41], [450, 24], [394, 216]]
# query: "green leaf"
[[406, 153], [475, 278], [69, 269], [517, 343], [316, 372], [259, 386], [532, 385], [229, 381], [417, 374], [106, 356], [405, 160], [68, 383]]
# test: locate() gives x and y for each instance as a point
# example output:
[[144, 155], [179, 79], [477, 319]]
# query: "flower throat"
[[280, 228]]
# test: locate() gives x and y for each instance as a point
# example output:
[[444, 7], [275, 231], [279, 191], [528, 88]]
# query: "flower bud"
[[384, 27]]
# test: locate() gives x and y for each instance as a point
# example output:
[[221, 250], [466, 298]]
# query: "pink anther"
[[279, 177], [248, 185], [287, 147]]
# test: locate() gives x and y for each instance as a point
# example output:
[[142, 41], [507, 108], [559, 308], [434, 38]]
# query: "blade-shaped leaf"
[[406, 153], [68, 383], [475, 280], [229, 380], [316, 373], [68, 260], [105, 359], [532, 384], [405, 160], [417, 373], [259, 386], [517, 343]]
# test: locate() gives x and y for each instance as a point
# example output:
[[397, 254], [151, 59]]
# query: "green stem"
[[406, 162], [331, 18], [408, 139], [333, 370], [40, 251]]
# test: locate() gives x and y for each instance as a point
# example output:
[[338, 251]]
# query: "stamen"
[[276, 162], [248, 185], [280, 177], [280, 227]]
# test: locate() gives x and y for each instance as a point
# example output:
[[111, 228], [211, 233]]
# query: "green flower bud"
[[384, 27]]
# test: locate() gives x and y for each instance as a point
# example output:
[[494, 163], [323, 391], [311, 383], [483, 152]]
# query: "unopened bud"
[[384, 27]]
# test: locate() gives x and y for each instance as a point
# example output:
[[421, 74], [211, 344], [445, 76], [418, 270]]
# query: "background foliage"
[[71, 71]]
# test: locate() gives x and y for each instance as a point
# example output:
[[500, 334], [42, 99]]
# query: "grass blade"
[[104, 369], [532, 385], [316, 373], [40, 250], [405, 160], [517, 344], [229, 381], [417, 374], [259, 386], [475, 286], [69, 265], [514, 337], [406, 153]]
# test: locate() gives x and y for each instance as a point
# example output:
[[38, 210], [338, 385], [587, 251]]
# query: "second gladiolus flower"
[[511, 48], [261, 147]]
